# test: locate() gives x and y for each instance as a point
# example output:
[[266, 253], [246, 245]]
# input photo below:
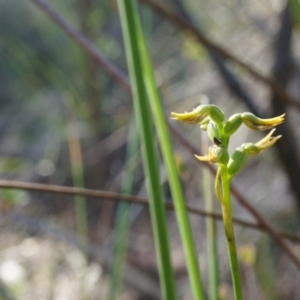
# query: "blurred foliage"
[[40, 67]]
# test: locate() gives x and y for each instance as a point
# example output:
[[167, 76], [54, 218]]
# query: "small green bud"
[[236, 162], [216, 155], [213, 131], [216, 114], [233, 124]]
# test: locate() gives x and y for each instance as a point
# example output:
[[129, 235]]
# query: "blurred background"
[[65, 120]]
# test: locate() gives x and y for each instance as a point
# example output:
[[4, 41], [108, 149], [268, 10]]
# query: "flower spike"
[[211, 119], [256, 123]]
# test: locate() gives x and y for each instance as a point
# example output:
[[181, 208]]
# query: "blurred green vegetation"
[[41, 69]]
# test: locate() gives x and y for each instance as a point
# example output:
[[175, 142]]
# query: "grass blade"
[[167, 151], [122, 226], [149, 153]]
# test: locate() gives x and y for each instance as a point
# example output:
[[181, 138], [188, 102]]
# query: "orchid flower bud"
[[216, 114], [256, 123], [216, 155], [236, 162], [233, 124]]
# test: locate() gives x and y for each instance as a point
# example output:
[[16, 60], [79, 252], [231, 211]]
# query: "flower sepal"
[[198, 115], [266, 142], [255, 123]]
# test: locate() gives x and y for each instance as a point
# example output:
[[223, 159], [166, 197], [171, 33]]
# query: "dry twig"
[[113, 196]]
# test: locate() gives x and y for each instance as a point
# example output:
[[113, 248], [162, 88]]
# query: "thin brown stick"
[[113, 196], [121, 77], [206, 41]]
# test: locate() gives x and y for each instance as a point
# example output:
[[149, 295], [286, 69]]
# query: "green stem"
[[228, 225], [211, 232]]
